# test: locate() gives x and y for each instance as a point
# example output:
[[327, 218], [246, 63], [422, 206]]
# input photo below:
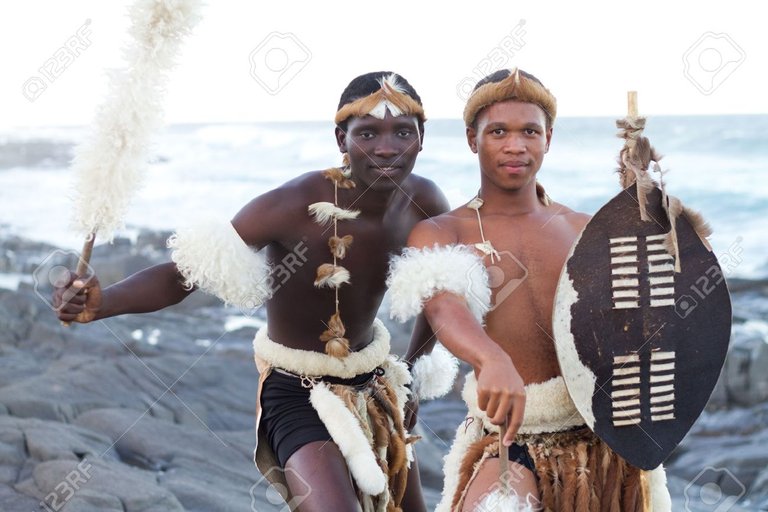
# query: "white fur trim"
[[581, 381], [468, 432], [418, 274], [434, 373], [548, 407], [211, 255], [397, 374], [497, 500], [316, 364], [660, 498], [325, 212], [348, 436]]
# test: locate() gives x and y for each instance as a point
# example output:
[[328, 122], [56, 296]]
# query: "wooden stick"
[[82, 263], [85, 255], [632, 103], [504, 460]]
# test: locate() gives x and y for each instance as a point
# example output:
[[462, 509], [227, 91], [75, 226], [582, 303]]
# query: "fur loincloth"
[[575, 470], [365, 423]]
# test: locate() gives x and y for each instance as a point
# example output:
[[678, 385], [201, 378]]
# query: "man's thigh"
[[522, 483], [319, 471]]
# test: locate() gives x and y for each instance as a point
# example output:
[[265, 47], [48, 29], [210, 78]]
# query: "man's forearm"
[[460, 332], [149, 290], [422, 340]]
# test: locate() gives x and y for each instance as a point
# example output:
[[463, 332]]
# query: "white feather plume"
[[110, 165], [325, 212]]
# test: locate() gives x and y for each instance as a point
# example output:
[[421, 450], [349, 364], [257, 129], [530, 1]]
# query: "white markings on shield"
[[626, 399], [625, 265], [661, 272], [624, 269], [663, 385], [625, 390]]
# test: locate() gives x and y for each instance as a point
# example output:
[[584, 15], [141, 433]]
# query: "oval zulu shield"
[[640, 345]]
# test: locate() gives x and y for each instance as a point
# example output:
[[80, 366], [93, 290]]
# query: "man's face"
[[382, 152], [510, 139]]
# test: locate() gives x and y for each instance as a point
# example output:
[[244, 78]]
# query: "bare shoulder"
[[442, 229], [265, 217], [426, 195], [576, 219]]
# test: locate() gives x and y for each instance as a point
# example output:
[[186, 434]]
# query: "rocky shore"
[[154, 412]]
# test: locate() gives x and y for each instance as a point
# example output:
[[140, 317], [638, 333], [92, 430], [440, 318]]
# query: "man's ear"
[[549, 137], [341, 139], [421, 137], [472, 138]]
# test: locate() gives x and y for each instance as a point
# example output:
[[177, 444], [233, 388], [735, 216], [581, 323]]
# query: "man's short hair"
[[509, 84]]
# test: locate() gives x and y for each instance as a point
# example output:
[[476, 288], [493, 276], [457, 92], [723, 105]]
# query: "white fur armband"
[[212, 256], [418, 274], [434, 373]]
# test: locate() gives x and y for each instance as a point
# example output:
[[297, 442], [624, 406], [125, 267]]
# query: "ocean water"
[[717, 165]]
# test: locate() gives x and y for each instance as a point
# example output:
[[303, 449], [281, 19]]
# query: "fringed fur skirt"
[[574, 469], [365, 422]]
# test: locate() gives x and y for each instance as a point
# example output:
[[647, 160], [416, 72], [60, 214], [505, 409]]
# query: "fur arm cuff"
[[418, 274], [434, 373], [212, 256]]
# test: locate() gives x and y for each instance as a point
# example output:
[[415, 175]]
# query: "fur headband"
[[510, 85], [392, 96]]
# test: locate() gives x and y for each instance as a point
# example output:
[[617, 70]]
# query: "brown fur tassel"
[[336, 344], [336, 175], [340, 245], [630, 499], [583, 487], [545, 477], [594, 451], [567, 467], [701, 226]]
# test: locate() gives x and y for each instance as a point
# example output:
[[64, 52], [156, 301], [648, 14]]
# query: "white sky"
[[588, 54]]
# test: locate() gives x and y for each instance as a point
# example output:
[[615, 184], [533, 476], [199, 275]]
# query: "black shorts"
[[287, 416]]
